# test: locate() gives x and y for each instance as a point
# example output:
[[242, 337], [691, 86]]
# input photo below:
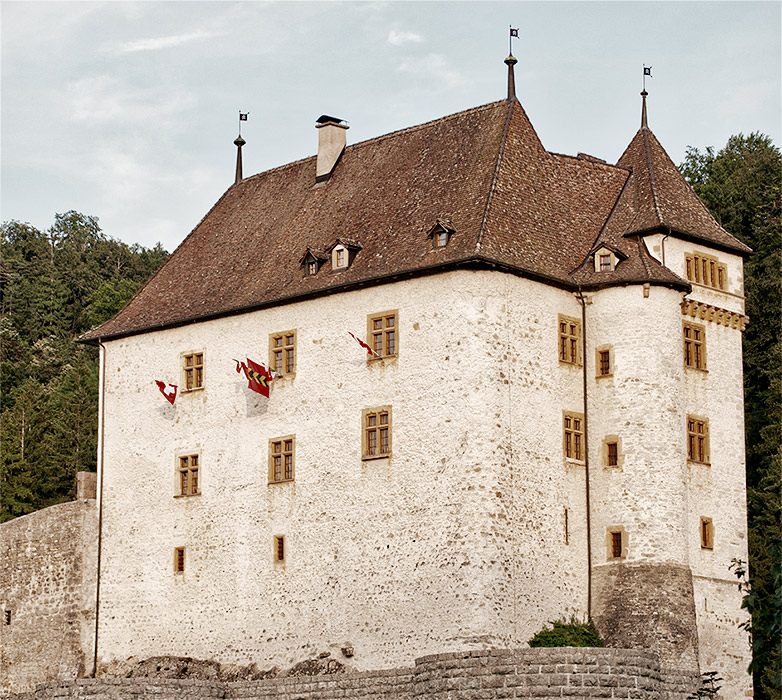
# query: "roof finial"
[[510, 62], [239, 142], [647, 71]]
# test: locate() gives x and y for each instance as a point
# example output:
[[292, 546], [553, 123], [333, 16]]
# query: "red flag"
[[369, 350], [258, 376], [170, 394]]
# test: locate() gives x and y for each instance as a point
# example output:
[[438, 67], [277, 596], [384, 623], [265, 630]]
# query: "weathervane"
[[647, 71], [242, 118]]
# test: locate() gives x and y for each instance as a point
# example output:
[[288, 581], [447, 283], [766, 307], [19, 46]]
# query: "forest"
[[59, 283]]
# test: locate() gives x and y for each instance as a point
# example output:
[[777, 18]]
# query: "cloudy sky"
[[128, 110]]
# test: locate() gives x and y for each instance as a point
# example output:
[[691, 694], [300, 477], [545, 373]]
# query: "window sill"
[[367, 458], [707, 549], [383, 357], [190, 391], [577, 365], [281, 481], [576, 462], [702, 370], [186, 495], [695, 461]]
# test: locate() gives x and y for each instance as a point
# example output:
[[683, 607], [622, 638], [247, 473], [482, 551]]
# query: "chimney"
[[331, 143]]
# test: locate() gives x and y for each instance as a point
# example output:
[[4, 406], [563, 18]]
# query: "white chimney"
[[331, 143]]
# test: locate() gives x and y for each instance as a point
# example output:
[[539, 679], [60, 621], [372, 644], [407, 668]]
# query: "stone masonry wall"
[[577, 673], [47, 594]]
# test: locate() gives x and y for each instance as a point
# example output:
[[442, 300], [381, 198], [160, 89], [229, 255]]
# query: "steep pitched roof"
[[663, 199], [511, 204]]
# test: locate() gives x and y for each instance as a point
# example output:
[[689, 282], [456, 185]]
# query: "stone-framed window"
[[193, 371], [282, 352], [616, 543], [188, 475], [573, 435], [706, 270], [282, 457], [383, 334], [604, 361], [278, 549], [694, 345], [698, 439], [376, 432], [179, 560], [569, 340], [612, 452], [707, 533]]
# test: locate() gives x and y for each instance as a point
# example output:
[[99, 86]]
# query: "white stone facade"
[[472, 533]]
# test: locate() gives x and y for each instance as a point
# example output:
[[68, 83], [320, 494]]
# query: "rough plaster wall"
[[436, 548], [47, 581]]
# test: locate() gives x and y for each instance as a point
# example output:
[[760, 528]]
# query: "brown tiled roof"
[[664, 200], [511, 204]]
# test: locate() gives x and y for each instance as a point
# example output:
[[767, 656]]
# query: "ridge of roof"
[[500, 152]]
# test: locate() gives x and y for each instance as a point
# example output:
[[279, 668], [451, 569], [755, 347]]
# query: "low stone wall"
[[47, 594], [535, 674]]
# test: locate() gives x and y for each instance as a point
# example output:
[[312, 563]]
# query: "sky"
[[127, 111]]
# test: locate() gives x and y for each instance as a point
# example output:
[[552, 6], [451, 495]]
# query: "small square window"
[[382, 334], [193, 370], [604, 361], [569, 340], [312, 268], [279, 549], [282, 352], [707, 533], [282, 454], [605, 263], [179, 560], [189, 482]]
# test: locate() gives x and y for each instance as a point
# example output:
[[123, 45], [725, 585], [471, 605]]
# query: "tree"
[[56, 285], [742, 187]]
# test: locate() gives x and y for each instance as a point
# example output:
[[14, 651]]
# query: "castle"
[[543, 418]]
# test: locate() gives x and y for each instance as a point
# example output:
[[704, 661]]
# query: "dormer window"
[[440, 233], [311, 262], [343, 252], [607, 258]]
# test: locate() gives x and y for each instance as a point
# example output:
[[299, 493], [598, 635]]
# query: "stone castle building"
[[550, 422]]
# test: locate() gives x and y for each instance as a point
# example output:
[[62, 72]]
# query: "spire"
[[239, 143], [511, 61], [644, 125]]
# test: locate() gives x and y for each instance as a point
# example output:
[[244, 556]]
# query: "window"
[[605, 263], [7, 617], [694, 346], [282, 352], [567, 527], [697, 439], [616, 545], [376, 432], [604, 361], [573, 427], [707, 533], [440, 239], [279, 549], [613, 454], [179, 560], [312, 268], [706, 270], [281, 459], [189, 484], [382, 333], [569, 337], [193, 366]]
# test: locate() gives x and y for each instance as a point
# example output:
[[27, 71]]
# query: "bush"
[[567, 634]]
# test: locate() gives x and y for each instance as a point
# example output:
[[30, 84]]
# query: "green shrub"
[[567, 634]]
